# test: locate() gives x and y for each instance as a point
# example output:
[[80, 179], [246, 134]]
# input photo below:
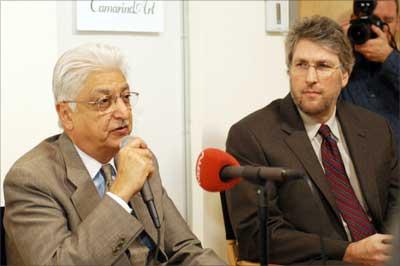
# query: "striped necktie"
[[350, 208], [106, 172]]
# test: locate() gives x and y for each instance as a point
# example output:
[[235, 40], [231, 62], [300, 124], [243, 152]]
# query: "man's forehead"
[[105, 81], [108, 90], [313, 51]]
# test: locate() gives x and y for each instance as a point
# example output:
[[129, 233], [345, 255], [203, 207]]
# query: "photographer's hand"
[[378, 49]]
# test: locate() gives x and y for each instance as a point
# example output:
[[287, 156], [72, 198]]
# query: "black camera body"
[[360, 28]]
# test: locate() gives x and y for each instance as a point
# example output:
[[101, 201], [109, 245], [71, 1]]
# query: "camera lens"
[[359, 33]]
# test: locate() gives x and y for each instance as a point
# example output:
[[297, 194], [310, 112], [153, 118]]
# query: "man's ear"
[[65, 115], [345, 78]]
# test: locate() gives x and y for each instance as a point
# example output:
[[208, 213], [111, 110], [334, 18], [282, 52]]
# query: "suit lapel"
[[143, 215], [85, 197], [298, 141], [357, 143]]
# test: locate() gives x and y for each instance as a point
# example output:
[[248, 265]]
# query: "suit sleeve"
[[287, 244], [38, 227], [180, 245], [393, 197]]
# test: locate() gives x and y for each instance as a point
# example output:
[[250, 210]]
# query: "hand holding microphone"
[[135, 165]]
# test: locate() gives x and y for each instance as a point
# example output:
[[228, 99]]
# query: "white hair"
[[74, 66]]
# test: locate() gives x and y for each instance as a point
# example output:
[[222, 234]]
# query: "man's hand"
[[378, 49], [135, 164], [374, 250]]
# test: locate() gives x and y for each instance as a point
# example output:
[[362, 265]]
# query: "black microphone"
[[259, 174], [146, 192]]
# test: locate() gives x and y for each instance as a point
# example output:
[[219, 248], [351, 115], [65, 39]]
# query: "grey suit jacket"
[[275, 136], [55, 216]]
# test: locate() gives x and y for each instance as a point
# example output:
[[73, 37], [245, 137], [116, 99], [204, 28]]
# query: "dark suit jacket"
[[275, 136], [55, 216], [395, 260]]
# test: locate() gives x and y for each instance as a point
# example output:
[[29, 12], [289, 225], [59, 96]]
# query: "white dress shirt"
[[93, 167]]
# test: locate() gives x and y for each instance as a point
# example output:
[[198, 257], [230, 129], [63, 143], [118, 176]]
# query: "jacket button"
[[119, 246]]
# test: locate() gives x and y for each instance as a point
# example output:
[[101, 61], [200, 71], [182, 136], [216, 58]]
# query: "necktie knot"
[[107, 172], [325, 131]]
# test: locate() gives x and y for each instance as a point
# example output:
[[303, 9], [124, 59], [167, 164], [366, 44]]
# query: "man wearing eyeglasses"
[[348, 153], [69, 203]]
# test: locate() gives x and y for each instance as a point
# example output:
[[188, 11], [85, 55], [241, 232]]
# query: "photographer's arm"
[[390, 71]]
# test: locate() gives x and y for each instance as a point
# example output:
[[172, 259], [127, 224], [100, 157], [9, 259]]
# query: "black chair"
[[231, 243], [2, 238]]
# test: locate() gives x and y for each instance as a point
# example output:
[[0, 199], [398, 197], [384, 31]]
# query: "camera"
[[360, 28]]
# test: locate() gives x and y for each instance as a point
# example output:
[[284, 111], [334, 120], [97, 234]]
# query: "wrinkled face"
[[315, 88], [99, 132], [386, 10]]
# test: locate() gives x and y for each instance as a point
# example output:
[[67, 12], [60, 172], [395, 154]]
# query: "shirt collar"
[[312, 126], [92, 165]]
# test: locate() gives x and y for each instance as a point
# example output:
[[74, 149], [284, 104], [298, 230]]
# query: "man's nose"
[[312, 75], [121, 110]]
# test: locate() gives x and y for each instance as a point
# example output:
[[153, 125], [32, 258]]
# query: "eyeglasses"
[[323, 69], [104, 103]]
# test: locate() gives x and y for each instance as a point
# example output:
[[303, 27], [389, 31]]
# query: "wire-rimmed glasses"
[[323, 69], [105, 102]]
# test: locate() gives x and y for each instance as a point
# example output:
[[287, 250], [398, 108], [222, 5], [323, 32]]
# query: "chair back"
[[231, 243], [231, 246], [229, 234], [2, 239]]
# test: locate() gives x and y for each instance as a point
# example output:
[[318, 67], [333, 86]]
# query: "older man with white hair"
[[68, 203]]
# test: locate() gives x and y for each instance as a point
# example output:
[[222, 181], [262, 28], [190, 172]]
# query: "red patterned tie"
[[357, 220]]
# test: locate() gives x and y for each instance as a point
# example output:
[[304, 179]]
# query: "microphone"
[[146, 192], [217, 170], [259, 173]]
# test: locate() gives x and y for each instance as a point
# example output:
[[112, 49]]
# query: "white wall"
[[235, 68], [28, 52]]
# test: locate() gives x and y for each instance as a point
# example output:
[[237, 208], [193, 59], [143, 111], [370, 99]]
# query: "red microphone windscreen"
[[208, 167]]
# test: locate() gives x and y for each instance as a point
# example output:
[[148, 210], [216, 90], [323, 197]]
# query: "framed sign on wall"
[[123, 16]]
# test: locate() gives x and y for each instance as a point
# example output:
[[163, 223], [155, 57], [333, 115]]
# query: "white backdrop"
[[235, 69], [35, 33]]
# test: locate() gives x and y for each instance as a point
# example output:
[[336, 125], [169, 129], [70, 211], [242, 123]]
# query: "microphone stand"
[[262, 210], [263, 216], [260, 177]]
